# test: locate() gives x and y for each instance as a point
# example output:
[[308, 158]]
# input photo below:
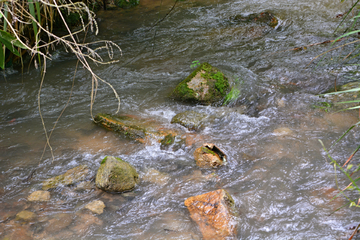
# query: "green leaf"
[[8, 37], [339, 92], [353, 101], [349, 166], [2, 57], [346, 132], [10, 47]]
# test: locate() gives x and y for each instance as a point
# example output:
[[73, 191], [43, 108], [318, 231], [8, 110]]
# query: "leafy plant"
[[232, 95], [323, 105], [29, 25]]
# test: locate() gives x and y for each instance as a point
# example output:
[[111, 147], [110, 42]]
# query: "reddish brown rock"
[[215, 214], [209, 156]]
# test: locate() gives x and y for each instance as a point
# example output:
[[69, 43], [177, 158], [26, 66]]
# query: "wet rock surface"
[[133, 127], [96, 206], [39, 196], [154, 176], [116, 175], [282, 132], [206, 85], [59, 222], [215, 214], [209, 156], [25, 216], [71, 176], [263, 17], [190, 119]]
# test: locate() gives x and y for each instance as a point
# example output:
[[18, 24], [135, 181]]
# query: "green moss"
[[207, 150], [216, 82], [220, 84], [103, 161]]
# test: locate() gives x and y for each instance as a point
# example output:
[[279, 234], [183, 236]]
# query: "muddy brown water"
[[277, 172]]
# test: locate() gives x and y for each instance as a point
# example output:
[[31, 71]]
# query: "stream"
[[277, 172]]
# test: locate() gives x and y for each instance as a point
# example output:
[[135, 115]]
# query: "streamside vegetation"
[[349, 38], [31, 28], [28, 28]]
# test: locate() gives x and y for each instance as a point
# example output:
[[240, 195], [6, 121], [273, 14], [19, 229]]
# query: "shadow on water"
[[276, 172]]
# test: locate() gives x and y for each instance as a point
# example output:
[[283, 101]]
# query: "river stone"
[[264, 17], [40, 196], [209, 156], [154, 176], [206, 85], [71, 176], [215, 214], [25, 216], [190, 119], [283, 131], [136, 128], [59, 222], [116, 175], [167, 141], [84, 221], [96, 206]]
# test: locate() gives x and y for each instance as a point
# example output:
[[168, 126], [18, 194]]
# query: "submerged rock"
[[96, 206], [59, 222], [154, 176], [264, 17], [283, 131], [25, 216], [206, 85], [71, 176], [167, 141], [190, 119], [39, 196], [215, 214], [135, 128], [209, 156], [83, 222], [116, 175]]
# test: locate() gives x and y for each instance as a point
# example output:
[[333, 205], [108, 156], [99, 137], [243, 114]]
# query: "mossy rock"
[[71, 176], [206, 85], [123, 125], [167, 141], [209, 156], [136, 128], [116, 175], [190, 119], [263, 17]]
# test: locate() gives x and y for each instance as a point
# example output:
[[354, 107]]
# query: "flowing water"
[[281, 183]]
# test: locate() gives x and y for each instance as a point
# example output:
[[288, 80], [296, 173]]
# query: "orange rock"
[[215, 214], [209, 155]]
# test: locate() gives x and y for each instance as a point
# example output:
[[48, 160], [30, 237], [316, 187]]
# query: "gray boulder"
[[190, 119]]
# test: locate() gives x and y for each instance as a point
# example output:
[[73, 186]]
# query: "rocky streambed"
[[251, 157]]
